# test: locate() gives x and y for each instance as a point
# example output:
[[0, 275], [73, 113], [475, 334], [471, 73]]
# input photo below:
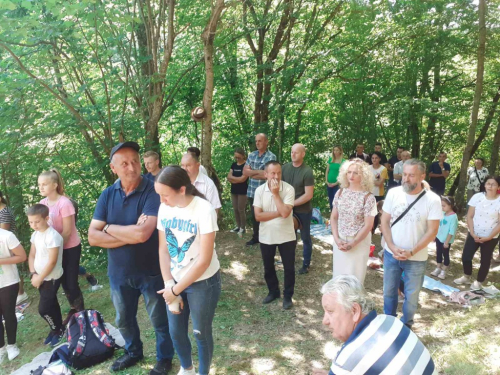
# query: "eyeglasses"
[[491, 184]]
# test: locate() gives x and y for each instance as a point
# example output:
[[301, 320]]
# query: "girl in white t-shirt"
[[189, 265], [11, 253], [380, 175], [483, 221]]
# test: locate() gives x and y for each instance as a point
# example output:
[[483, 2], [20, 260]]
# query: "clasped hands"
[[344, 245], [169, 298], [400, 254], [480, 239]]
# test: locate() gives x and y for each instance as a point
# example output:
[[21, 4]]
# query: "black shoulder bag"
[[408, 208]]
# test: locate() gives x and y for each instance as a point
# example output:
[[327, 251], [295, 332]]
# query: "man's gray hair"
[[419, 163], [349, 291]]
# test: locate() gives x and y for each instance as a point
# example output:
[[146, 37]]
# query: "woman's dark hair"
[[491, 177], [379, 154], [175, 177], [2, 199], [450, 201], [239, 150], [482, 161]]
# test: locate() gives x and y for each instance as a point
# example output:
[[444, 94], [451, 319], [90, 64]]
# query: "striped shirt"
[[257, 162], [382, 344], [7, 217]]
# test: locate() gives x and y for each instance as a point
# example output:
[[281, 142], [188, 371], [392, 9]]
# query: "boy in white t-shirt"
[[11, 253], [45, 263]]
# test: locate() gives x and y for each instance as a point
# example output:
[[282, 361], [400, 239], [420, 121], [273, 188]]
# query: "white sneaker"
[[12, 351], [3, 354], [476, 285], [442, 275], [21, 298], [436, 271], [463, 280], [183, 371]]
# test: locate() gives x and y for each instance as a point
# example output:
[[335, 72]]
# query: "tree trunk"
[[480, 138], [494, 151], [208, 38], [460, 196]]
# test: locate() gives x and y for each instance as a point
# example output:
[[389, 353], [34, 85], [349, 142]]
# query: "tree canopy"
[[76, 77]]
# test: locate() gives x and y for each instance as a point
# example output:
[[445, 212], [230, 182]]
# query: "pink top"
[[62, 208]]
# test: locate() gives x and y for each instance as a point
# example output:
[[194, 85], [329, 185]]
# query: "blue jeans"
[[413, 277], [331, 194], [305, 235], [200, 300], [125, 294]]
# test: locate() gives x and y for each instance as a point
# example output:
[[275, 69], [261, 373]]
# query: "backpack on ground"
[[89, 342]]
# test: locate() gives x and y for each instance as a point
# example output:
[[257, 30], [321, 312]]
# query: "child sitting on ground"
[[445, 236], [46, 270], [11, 253]]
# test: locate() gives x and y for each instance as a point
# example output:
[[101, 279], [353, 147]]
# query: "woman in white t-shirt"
[[380, 175], [483, 221], [189, 265], [11, 253]]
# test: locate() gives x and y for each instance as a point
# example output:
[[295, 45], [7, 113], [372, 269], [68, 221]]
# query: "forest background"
[[76, 77]]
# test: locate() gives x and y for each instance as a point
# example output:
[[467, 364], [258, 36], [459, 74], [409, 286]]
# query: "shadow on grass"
[[251, 338]]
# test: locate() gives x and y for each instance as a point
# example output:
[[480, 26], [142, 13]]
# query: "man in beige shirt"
[[273, 205]]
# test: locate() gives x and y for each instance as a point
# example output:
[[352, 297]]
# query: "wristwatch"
[[105, 229]]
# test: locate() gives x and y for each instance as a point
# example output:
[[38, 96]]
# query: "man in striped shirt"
[[373, 344]]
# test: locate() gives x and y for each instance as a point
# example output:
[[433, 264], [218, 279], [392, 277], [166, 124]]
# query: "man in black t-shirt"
[[383, 159], [360, 154], [390, 166]]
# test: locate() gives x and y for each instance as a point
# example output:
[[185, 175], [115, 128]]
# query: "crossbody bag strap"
[[477, 174], [408, 208]]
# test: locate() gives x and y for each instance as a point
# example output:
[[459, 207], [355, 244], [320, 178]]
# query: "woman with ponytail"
[[62, 219], [189, 265]]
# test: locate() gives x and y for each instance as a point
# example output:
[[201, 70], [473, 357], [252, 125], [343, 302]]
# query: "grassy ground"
[[254, 339]]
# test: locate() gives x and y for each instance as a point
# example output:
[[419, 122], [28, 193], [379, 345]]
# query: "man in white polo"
[[202, 182], [273, 205]]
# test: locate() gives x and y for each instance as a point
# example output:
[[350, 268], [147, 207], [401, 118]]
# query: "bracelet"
[[172, 289]]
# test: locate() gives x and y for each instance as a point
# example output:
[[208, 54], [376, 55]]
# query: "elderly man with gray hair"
[[373, 344]]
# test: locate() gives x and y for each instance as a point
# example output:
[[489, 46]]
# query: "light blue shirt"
[[447, 225]]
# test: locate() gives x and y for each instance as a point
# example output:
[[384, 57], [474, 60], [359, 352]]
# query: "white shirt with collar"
[[203, 170], [207, 187], [398, 169], [279, 230]]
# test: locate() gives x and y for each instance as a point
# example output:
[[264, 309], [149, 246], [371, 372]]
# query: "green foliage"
[[74, 78]]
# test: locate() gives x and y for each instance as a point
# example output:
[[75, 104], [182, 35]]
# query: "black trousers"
[[49, 308], [255, 223], [8, 296], [69, 280], [442, 252], [287, 252], [470, 248]]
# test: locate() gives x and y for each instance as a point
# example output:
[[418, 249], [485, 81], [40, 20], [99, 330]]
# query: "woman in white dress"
[[354, 209]]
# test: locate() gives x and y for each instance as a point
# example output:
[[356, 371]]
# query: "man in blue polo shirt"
[[124, 222]]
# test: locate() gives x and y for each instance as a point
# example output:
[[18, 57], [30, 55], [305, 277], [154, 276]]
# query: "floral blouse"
[[352, 210], [474, 183]]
